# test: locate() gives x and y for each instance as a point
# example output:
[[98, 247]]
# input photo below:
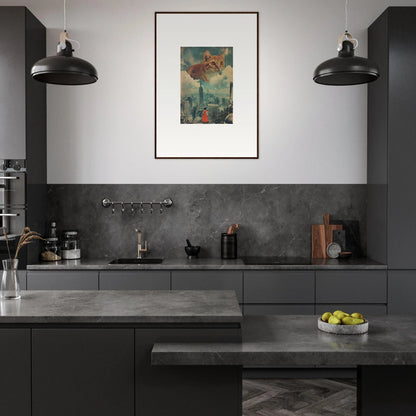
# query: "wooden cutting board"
[[322, 236]]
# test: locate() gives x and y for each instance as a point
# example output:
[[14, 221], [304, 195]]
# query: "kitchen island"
[[385, 357], [89, 353]]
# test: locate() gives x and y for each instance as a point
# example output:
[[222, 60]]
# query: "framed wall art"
[[206, 85]]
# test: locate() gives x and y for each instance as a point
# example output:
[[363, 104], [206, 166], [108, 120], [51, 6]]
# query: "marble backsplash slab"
[[275, 220]]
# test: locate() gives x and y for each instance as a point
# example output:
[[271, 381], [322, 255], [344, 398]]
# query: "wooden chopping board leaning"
[[322, 236]]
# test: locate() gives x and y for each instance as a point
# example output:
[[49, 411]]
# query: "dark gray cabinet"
[[279, 287], [82, 372], [132, 280], [402, 291], [195, 390], [23, 103], [391, 139], [280, 309], [364, 308], [22, 279], [62, 280], [209, 280], [15, 379], [361, 287], [23, 121]]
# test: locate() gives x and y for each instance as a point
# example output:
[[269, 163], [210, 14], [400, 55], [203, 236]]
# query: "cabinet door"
[[279, 287], [12, 83], [15, 372], [83, 372], [22, 279], [209, 280], [365, 309], [140, 280], [402, 292], [286, 309], [62, 280], [339, 286]]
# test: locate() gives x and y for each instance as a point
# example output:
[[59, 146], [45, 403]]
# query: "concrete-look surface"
[[275, 220], [275, 341], [100, 307], [212, 264]]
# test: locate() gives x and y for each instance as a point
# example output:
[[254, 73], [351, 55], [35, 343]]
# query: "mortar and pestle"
[[192, 251]]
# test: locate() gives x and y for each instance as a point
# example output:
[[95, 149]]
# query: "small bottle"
[[52, 230]]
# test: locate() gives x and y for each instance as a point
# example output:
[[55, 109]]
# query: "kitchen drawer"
[[22, 279], [135, 280], [62, 280], [402, 291], [280, 309], [369, 286], [209, 280], [279, 287], [365, 309]]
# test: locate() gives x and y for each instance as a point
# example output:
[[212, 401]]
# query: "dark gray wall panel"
[[402, 292], [279, 287], [140, 280], [83, 372], [367, 286], [15, 379], [209, 280], [365, 309], [62, 280], [279, 309]]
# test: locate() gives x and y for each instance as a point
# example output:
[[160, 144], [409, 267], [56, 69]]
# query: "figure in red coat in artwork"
[[205, 116]]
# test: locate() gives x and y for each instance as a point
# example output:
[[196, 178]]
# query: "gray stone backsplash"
[[275, 220]]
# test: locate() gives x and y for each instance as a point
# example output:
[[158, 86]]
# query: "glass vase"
[[10, 287]]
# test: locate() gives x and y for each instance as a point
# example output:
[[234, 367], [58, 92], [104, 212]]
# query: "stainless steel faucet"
[[140, 250]]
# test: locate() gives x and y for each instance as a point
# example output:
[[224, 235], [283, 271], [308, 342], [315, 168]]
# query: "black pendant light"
[[64, 68], [346, 68]]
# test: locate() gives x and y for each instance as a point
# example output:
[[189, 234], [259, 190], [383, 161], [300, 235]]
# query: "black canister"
[[228, 246]]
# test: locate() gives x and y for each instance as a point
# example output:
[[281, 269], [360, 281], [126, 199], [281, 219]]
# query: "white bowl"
[[343, 329]]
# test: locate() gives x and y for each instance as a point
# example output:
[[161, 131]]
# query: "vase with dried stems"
[[10, 286]]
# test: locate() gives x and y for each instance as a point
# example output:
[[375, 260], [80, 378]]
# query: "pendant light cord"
[[346, 16], [64, 15]]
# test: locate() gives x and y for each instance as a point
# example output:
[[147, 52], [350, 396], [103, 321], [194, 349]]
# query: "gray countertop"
[[275, 341], [211, 264], [100, 307]]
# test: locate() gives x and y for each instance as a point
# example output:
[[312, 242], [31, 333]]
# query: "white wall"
[[104, 133]]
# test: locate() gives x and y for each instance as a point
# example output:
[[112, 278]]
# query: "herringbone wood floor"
[[292, 397]]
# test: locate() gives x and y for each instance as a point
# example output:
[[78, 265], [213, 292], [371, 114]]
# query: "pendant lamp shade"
[[346, 68], [64, 69]]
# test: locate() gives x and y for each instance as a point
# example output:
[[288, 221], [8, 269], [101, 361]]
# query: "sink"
[[136, 261]]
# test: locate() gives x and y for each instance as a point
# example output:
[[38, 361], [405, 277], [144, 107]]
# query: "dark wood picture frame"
[[257, 85]]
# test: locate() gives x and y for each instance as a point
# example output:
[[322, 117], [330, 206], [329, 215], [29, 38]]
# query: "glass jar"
[[70, 249], [50, 250], [10, 287]]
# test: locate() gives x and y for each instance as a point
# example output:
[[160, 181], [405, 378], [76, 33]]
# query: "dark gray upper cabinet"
[[391, 139], [23, 100]]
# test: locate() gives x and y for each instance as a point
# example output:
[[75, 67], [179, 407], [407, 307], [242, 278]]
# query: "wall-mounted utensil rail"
[[134, 206]]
